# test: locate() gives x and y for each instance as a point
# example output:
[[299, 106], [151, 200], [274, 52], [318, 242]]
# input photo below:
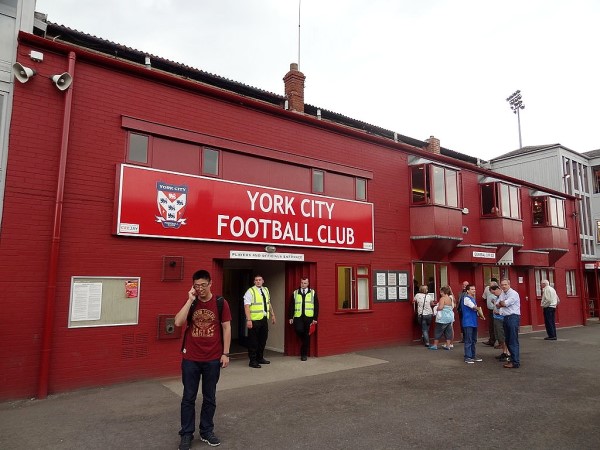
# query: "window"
[[431, 275], [500, 200], [596, 179], [434, 184], [598, 231], [353, 288], [210, 161], [318, 177], [418, 184], [571, 283], [567, 175], [490, 272], [138, 148], [543, 274], [361, 189], [172, 154], [548, 211]]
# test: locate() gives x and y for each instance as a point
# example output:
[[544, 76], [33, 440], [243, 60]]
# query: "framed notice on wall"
[[104, 301], [390, 286]]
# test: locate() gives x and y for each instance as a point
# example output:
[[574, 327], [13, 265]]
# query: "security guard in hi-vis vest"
[[258, 309], [303, 312]]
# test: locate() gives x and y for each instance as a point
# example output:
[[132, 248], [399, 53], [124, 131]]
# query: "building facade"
[[562, 169], [132, 173]]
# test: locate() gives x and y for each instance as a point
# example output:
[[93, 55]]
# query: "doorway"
[[238, 276]]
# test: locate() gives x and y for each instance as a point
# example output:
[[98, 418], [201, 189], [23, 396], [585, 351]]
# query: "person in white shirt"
[[549, 303], [490, 300], [509, 306]]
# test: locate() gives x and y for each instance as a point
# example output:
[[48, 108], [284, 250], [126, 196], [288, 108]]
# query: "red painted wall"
[[97, 143]]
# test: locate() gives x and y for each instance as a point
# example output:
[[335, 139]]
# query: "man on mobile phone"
[[205, 350]]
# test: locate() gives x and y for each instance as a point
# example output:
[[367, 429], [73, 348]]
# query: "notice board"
[[390, 286], [104, 301]]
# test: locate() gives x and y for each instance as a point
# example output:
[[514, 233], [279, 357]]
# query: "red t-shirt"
[[203, 340]]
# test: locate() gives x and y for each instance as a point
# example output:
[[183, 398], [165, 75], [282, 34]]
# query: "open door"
[[293, 273]]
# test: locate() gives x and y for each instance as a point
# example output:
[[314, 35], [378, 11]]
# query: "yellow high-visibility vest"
[[257, 310], [309, 303]]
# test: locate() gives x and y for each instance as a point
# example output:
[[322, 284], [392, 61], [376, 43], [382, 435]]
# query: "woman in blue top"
[[444, 319]]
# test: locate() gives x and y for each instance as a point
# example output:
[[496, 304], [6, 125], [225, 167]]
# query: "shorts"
[[444, 329], [499, 330]]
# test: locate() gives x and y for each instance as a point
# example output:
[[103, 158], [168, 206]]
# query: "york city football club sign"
[[155, 203]]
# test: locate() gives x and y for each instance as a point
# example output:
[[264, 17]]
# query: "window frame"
[[219, 161], [357, 189], [553, 211], [506, 200], [571, 282], [435, 184], [313, 187], [596, 177], [150, 150], [543, 273], [356, 280], [149, 143], [424, 273]]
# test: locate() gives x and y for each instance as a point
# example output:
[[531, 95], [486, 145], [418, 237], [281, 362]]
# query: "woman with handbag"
[[444, 319], [423, 303]]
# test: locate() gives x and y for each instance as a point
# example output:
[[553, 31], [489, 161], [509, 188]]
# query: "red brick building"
[[143, 171]]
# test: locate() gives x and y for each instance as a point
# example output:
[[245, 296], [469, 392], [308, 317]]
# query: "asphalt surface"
[[387, 398]]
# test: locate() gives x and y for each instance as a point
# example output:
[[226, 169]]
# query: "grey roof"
[[525, 150], [68, 35], [592, 153]]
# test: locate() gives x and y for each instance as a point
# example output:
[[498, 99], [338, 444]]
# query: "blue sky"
[[417, 67]]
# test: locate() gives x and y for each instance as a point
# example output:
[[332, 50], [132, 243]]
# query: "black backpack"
[[220, 301]]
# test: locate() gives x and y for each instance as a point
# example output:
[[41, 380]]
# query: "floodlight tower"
[[516, 103]]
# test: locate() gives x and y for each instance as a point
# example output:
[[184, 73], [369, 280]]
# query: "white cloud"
[[421, 68]]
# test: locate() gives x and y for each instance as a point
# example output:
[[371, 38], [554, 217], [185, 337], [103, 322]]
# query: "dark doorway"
[[235, 284]]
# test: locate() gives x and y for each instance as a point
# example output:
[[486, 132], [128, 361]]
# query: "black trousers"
[[302, 327], [257, 339]]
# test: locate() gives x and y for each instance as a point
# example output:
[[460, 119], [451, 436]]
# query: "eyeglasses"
[[493, 288], [201, 285]]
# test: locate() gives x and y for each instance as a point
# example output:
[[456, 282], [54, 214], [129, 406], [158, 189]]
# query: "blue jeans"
[[470, 335], [511, 335], [191, 372], [549, 321], [425, 323]]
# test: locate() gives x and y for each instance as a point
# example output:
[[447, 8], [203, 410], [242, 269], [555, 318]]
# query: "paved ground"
[[389, 398]]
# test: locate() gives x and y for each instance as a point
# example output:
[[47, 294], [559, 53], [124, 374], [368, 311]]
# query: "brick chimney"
[[294, 88], [433, 145]]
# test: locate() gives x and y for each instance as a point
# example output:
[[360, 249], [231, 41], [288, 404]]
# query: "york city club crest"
[[171, 200]]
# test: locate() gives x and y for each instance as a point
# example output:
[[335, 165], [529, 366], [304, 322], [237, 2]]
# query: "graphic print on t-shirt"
[[203, 323]]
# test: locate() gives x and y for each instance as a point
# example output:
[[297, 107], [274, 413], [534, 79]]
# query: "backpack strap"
[[220, 301]]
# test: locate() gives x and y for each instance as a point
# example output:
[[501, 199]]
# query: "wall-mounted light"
[[62, 81], [22, 73]]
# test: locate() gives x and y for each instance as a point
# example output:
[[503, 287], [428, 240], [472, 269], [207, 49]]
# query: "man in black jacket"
[[303, 312]]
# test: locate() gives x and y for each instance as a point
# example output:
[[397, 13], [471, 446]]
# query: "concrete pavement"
[[387, 398]]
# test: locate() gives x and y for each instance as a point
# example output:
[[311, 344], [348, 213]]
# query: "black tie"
[[264, 300], [303, 301]]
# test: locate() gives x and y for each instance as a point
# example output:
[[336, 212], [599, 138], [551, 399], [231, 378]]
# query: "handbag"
[[419, 316]]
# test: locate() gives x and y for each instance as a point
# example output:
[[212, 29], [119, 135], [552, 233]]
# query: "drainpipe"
[[55, 246], [577, 215]]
